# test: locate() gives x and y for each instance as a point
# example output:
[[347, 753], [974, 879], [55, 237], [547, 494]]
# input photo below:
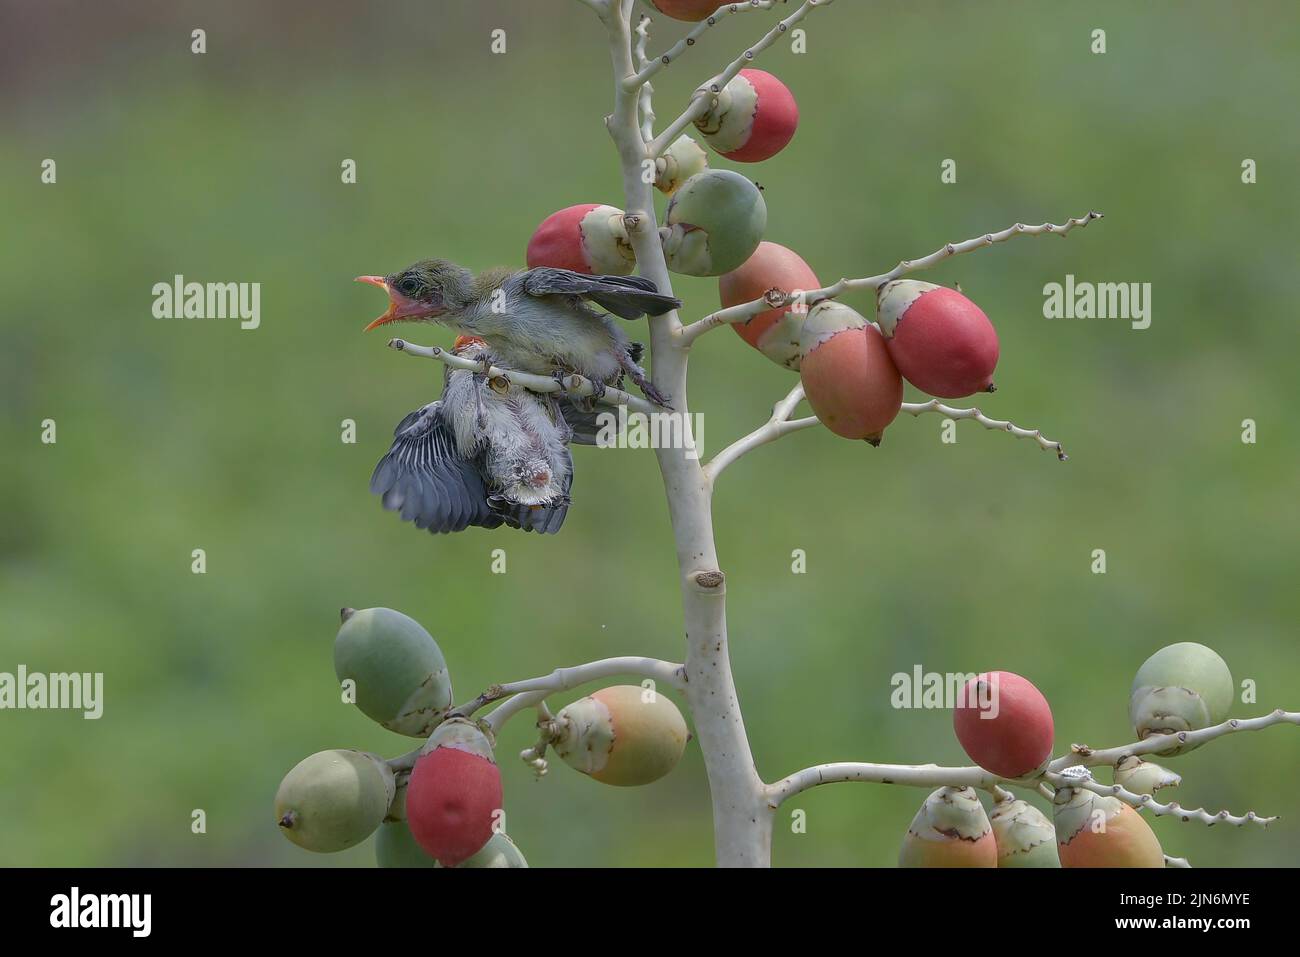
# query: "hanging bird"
[[488, 452], [535, 320]]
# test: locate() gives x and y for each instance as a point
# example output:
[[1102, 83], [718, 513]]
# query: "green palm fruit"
[[1182, 687], [1024, 835], [1143, 777], [398, 669], [334, 799]]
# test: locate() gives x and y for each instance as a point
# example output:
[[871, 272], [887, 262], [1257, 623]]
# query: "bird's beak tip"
[[373, 281]]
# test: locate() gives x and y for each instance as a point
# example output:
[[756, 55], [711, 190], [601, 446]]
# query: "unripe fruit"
[[1004, 723], [775, 333], [499, 851], [848, 377], [398, 669], [1144, 777], [1182, 687], [1094, 830], [1024, 835], [689, 10], [625, 735], [752, 119], [713, 223], [679, 163], [950, 830], [588, 238], [396, 847], [333, 799], [454, 794], [941, 342]]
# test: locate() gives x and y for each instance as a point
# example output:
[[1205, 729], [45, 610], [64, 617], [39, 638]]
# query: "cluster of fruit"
[[1005, 725], [444, 807], [852, 368]]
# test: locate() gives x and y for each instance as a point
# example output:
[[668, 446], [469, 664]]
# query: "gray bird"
[[535, 320], [487, 453]]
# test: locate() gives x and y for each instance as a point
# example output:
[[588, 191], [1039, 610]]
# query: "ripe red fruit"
[[451, 802], [772, 266], [755, 117], [689, 10], [847, 374], [941, 342], [1004, 723], [587, 238]]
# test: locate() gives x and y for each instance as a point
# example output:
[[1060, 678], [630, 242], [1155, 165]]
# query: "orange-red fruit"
[[1004, 724], [850, 381], [772, 266], [941, 342], [689, 10], [950, 830], [755, 117], [451, 802], [587, 238], [1096, 831]]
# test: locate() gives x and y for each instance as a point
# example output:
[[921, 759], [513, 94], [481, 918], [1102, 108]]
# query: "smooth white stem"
[[741, 818], [572, 385], [778, 425], [914, 775], [533, 691]]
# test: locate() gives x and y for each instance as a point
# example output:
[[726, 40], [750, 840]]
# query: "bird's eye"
[[408, 286]]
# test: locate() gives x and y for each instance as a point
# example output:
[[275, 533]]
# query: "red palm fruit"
[[772, 266], [752, 119], [689, 10], [847, 374], [1094, 830], [1004, 724], [941, 342], [588, 238], [455, 793], [950, 830]]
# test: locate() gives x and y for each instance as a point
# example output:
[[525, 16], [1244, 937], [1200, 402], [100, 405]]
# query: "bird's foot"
[[650, 391]]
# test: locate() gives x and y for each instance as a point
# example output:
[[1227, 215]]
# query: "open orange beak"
[[399, 306]]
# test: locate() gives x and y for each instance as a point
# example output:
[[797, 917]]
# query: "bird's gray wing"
[[628, 297], [583, 425], [423, 478]]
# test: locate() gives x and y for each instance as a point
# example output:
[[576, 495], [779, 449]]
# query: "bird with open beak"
[[536, 320], [487, 453]]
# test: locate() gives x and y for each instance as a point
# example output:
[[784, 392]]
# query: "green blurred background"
[[175, 435]]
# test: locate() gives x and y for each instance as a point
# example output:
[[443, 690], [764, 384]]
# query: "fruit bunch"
[[715, 218], [852, 368], [442, 805], [1005, 726]]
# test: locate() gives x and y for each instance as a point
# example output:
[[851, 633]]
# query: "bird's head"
[[421, 292]]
